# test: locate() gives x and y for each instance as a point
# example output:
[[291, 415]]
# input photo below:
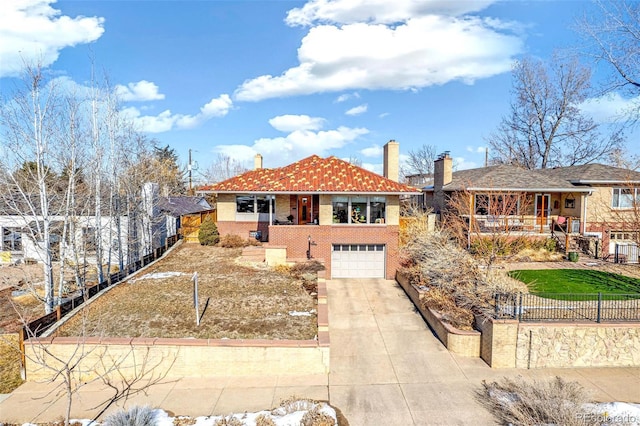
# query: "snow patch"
[[302, 313], [157, 276]]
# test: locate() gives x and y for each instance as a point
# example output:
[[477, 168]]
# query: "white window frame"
[[616, 194]]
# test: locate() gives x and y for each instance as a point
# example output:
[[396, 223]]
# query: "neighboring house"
[[184, 215], [594, 199], [343, 214], [142, 231]]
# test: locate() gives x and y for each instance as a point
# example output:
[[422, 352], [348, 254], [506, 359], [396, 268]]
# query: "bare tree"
[[488, 223], [614, 37], [30, 122], [420, 161], [73, 365], [223, 168], [546, 127]]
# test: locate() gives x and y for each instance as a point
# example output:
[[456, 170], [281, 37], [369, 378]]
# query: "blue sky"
[[288, 79]]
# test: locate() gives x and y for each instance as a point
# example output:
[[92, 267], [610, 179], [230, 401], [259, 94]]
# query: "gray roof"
[[180, 205], [507, 178], [594, 174]]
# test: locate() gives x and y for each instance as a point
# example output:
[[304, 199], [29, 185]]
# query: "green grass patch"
[[576, 281]]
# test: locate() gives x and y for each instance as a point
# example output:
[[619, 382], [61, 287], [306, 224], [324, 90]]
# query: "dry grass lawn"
[[237, 301]]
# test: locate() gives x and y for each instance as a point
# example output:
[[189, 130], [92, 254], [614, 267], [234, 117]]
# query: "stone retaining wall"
[[134, 357], [545, 345]]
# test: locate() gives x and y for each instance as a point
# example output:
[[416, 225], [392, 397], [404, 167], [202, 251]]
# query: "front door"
[[542, 209], [304, 209]]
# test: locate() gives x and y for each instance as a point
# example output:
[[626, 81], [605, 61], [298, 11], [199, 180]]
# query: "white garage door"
[[358, 261]]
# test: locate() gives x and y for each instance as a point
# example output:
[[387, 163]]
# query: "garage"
[[358, 261]]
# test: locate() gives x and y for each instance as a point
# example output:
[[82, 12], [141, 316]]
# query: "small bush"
[[253, 242], [315, 417], [208, 234], [264, 420], [557, 402], [302, 268], [229, 421], [232, 241], [136, 416], [293, 404]]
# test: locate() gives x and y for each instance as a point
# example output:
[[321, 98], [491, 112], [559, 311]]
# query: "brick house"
[[323, 208], [594, 200]]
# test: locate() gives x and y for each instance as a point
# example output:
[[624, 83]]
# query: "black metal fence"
[[596, 307], [38, 326]]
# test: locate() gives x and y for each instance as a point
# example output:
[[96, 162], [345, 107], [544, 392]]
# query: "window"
[[254, 203], [482, 204], [623, 198], [497, 205], [11, 239], [89, 239], [340, 209], [244, 204], [378, 207], [359, 209]]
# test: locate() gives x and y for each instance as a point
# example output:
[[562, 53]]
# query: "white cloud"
[[290, 123], [610, 107], [373, 167], [166, 120], [143, 90], [461, 163], [372, 151], [383, 115], [360, 109], [346, 96], [377, 11], [300, 141], [476, 149], [33, 31], [407, 56]]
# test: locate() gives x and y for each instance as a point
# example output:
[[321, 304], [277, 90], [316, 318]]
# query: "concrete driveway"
[[387, 368]]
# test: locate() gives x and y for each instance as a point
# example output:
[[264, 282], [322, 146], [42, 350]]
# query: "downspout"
[[584, 214]]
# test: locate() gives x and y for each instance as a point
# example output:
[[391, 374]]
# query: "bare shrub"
[[252, 242], [232, 241], [520, 402], [229, 421], [456, 287], [264, 420], [293, 404], [443, 302], [309, 267], [136, 416], [315, 417]]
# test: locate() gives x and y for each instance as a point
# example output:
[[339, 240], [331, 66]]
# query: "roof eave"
[[417, 192], [604, 182]]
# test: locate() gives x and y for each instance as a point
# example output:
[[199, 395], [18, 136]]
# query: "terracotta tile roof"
[[312, 174]]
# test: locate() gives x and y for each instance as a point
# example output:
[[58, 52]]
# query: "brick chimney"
[[257, 162], [442, 171], [442, 175], [391, 161]]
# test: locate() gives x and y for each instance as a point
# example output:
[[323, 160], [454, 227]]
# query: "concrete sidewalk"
[[387, 368], [46, 402]]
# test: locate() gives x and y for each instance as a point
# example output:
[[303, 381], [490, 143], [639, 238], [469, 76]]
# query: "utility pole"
[[190, 177]]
